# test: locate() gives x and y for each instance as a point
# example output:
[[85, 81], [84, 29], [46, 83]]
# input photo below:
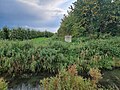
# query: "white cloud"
[[47, 8], [39, 14], [42, 28]]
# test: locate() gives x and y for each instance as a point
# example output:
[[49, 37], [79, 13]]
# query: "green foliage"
[[98, 53], [22, 57], [67, 80], [3, 84], [47, 34], [90, 17], [17, 57], [22, 34], [5, 33], [1, 34]]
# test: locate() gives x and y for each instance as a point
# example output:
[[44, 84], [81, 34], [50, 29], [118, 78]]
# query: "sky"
[[36, 14]]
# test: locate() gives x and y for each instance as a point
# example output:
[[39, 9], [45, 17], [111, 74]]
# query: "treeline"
[[92, 17], [22, 33]]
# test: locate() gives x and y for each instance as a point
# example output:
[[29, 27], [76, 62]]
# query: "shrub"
[[18, 57], [97, 53], [96, 75], [23, 57], [3, 84], [67, 80]]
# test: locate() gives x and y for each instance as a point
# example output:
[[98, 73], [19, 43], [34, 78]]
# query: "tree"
[[92, 16], [5, 33], [66, 25]]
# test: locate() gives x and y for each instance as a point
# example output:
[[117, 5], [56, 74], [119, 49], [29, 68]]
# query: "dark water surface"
[[110, 78], [26, 82], [32, 83], [26, 87]]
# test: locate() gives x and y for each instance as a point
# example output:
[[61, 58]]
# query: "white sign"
[[68, 38]]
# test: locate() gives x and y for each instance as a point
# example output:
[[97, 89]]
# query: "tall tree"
[[91, 16], [5, 32]]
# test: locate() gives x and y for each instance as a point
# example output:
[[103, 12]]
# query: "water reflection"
[[26, 87]]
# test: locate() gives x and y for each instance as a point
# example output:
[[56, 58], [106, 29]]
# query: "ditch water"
[[31, 82], [26, 87], [110, 78]]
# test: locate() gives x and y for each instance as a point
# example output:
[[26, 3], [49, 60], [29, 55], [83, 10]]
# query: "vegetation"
[[16, 58], [69, 80], [22, 34], [90, 17], [95, 27], [50, 56], [96, 75], [3, 84]]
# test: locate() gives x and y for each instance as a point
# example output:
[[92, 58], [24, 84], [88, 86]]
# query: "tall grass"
[[51, 55]]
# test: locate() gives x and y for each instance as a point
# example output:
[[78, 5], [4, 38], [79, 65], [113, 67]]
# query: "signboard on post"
[[68, 38]]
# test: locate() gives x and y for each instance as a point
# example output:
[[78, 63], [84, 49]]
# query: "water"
[[110, 79], [26, 87], [26, 82]]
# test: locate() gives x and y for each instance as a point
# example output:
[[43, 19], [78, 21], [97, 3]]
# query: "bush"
[[99, 53], [96, 75], [19, 57], [3, 84], [23, 57], [67, 80]]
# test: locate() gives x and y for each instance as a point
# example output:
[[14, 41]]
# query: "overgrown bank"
[[19, 57], [50, 56]]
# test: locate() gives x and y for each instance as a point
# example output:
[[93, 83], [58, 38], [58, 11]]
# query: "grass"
[[40, 41], [36, 41]]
